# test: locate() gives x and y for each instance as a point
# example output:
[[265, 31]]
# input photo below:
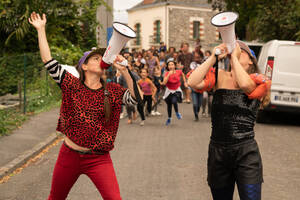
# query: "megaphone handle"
[[218, 52], [216, 66], [124, 63]]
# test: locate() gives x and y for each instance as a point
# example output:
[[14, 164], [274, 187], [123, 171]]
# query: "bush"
[[9, 120], [41, 97], [12, 71]]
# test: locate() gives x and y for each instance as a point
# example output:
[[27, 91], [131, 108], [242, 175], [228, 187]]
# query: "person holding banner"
[[233, 155], [89, 118]]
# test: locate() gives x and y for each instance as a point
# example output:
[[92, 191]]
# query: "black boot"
[[196, 118]]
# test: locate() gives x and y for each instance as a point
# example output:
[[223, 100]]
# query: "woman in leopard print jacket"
[[89, 118]]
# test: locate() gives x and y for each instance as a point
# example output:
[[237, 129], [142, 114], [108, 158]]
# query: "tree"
[[71, 26], [264, 20], [65, 21], [247, 11], [279, 20]]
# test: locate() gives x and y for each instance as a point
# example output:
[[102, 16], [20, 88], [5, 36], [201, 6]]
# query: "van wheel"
[[263, 117]]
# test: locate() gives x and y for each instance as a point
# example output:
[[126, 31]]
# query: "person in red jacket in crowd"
[[234, 155], [89, 119], [173, 92]]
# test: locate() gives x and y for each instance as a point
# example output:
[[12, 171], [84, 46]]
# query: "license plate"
[[285, 98]]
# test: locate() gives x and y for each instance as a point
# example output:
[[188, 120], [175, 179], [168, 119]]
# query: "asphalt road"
[[156, 162]]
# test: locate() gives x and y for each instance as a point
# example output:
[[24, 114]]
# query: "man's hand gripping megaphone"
[[221, 51], [120, 63]]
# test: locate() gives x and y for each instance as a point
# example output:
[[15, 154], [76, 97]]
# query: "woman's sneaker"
[[168, 122], [158, 113], [142, 123], [153, 113], [178, 115]]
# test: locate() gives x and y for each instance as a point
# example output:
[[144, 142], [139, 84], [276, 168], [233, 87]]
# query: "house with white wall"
[[172, 22]]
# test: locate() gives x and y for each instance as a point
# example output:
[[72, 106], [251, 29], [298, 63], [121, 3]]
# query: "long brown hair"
[[107, 107], [253, 68]]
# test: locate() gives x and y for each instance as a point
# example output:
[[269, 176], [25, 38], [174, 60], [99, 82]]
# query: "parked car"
[[280, 61]]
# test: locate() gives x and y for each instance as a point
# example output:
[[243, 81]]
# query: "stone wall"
[[179, 28]]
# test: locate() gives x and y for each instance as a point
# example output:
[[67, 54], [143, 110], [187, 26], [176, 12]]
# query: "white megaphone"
[[225, 22], [119, 38]]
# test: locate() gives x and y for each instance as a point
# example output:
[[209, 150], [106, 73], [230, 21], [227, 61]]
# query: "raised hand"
[[237, 51], [40, 23], [37, 21], [117, 63], [222, 50]]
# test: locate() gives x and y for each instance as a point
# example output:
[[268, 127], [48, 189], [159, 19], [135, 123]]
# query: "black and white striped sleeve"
[[128, 99], [55, 70]]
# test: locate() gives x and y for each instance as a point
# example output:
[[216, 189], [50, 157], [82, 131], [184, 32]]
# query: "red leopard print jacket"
[[82, 115]]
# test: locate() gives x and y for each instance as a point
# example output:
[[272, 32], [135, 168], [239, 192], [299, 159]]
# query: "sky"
[[120, 7]]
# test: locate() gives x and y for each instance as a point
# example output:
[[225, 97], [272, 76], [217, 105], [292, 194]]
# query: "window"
[[196, 29], [157, 31], [138, 33]]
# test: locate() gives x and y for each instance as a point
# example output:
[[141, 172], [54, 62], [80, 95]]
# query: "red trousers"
[[70, 165]]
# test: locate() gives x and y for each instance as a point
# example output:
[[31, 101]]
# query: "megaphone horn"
[[121, 35], [225, 22]]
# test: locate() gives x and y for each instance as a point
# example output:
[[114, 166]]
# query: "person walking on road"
[[157, 80], [173, 92], [185, 58], [197, 95], [89, 118], [152, 61], [207, 95], [130, 109], [149, 91], [206, 102], [233, 155]]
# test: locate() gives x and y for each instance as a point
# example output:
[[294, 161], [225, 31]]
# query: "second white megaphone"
[[120, 37], [225, 22]]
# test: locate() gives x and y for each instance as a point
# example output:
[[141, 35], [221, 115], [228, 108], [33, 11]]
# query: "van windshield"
[[263, 54], [288, 59]]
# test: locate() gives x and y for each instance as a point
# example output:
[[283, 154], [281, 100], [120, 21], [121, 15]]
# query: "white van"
[[280, 61]]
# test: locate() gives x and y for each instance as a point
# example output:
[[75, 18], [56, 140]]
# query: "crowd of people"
[[162, 75]]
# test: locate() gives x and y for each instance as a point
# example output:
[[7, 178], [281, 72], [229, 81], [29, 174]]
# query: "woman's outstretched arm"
[[54, 68], [39, 24]]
